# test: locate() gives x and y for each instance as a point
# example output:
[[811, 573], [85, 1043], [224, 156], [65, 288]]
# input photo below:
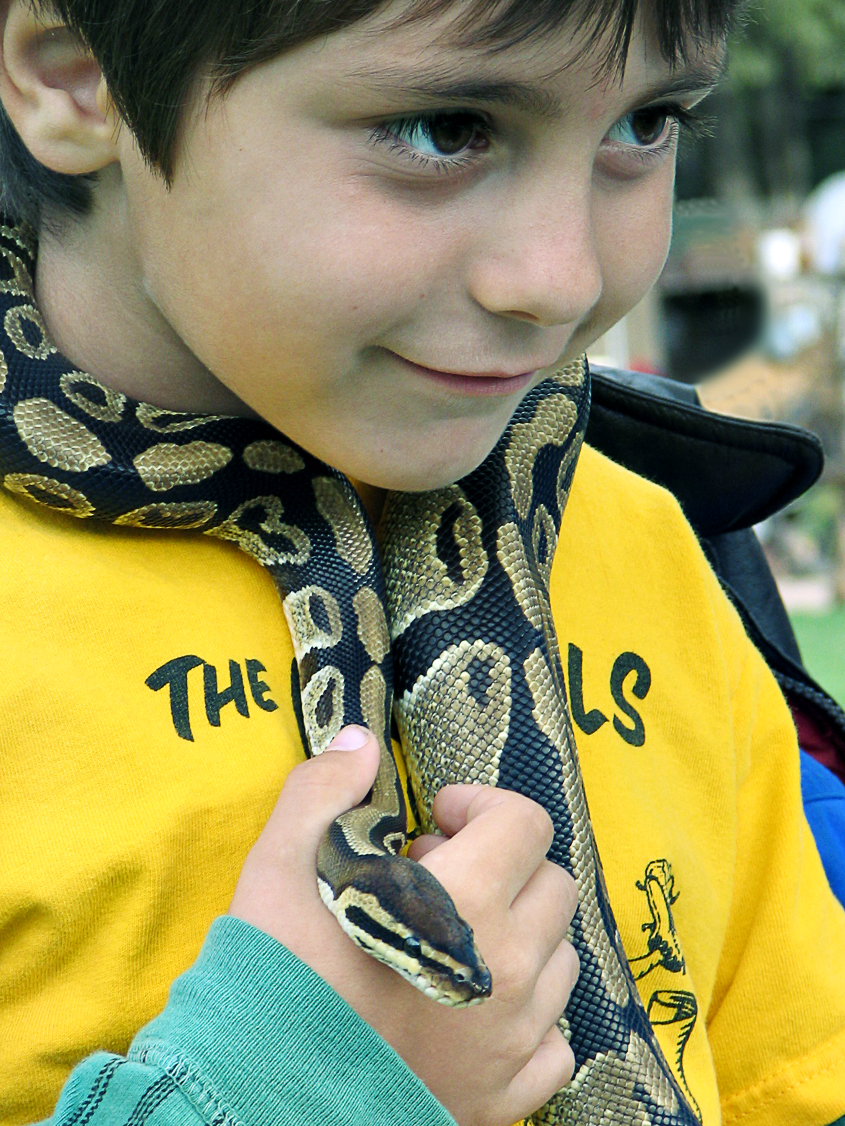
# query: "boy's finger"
[[507, 834], [547, 1072], [315, 793], [451, 805], [456, 805], [555, 984], [545, 906], [422, 846]]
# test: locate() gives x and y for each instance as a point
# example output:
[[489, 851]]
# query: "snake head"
[[397, 911]]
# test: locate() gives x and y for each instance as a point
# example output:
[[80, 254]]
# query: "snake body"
[[479, 689]]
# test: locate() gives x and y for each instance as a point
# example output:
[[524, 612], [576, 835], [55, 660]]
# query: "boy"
[[376, 233]]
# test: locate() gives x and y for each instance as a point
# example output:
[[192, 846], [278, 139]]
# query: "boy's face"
[[385, 291]]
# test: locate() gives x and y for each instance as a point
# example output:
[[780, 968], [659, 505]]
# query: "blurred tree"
[[778, 121], [801, 40]]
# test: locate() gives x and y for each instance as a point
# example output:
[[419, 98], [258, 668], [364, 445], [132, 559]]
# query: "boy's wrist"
[[274, 1041]]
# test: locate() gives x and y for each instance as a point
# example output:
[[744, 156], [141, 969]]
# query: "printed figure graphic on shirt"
[[666, 1007], [663, 946]]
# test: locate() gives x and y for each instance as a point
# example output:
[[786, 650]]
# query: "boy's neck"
[[89, 290], [373, 499]]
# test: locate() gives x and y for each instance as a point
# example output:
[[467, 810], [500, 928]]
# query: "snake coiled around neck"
[[450, 621]]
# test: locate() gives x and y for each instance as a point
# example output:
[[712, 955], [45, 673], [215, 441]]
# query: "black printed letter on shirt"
[[591, 721], [259, 688], [622, 666], [175, 673], [215, 700]]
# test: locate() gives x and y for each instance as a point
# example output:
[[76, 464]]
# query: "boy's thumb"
[[282, 864], [319, 790]]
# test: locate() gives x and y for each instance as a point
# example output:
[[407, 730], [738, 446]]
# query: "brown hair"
[[151, 53]]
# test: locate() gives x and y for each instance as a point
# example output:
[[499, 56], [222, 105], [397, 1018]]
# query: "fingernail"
[[350, 739]]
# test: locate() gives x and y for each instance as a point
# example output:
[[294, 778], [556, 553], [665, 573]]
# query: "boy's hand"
[[491, 1064]]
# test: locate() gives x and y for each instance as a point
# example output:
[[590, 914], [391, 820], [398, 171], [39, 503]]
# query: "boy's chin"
[[422, 478]]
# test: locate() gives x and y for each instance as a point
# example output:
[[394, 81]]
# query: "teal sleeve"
[[251, 1036]]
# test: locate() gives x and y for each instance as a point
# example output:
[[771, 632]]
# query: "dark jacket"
[[728, 475]]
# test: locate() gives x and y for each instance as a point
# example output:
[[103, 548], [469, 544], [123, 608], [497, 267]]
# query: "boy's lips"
[[474, 383]]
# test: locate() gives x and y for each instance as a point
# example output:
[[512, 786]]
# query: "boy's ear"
[[53, 91]]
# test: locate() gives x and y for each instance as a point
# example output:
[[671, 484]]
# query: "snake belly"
[[480, 697]]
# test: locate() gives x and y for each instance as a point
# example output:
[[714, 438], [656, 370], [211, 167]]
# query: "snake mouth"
[[456, 988], [481, 984], [456, 977], [464, 975]]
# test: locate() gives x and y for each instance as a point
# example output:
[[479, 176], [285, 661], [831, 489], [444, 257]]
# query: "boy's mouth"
[[473, 383]]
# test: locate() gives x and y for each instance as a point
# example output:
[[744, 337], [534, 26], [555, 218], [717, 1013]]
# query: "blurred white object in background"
[[613, 350], [779, 254], [792, 330], [824, 215]]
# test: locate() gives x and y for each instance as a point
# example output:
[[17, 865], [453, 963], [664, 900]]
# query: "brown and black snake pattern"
[[454, 606]]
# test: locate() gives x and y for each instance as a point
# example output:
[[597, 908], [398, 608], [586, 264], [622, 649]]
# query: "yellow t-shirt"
[[146, 727]]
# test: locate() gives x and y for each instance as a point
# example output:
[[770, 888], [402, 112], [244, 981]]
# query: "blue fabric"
[[824, 805]]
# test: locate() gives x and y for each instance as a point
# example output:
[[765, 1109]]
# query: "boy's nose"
[[538, 261]]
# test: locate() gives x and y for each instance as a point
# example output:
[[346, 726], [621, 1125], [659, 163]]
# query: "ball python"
[[453, 604]]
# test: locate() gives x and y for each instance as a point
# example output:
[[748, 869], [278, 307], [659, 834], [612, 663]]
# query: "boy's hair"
[[152, 52]]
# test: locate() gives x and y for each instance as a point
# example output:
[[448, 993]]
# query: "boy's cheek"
[[633, 249]]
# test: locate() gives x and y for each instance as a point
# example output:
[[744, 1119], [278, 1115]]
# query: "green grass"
[[822, 641]]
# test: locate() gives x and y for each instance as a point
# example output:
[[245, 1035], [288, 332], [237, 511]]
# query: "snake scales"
[[479, 694]]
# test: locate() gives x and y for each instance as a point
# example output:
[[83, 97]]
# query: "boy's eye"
[[643, 127], [444, 134]]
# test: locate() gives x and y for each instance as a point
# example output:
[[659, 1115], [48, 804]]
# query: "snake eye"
[[413, 947]]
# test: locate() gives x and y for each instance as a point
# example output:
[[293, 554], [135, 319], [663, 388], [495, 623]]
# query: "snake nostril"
[[482, 982]]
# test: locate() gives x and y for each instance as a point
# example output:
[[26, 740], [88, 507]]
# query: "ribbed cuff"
[[252, 1032]]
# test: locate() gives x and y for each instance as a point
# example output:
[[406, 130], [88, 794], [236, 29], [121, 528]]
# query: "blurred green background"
[[820, 637]]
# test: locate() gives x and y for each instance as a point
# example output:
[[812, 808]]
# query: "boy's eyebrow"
[[527, 97], [703, 76]]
